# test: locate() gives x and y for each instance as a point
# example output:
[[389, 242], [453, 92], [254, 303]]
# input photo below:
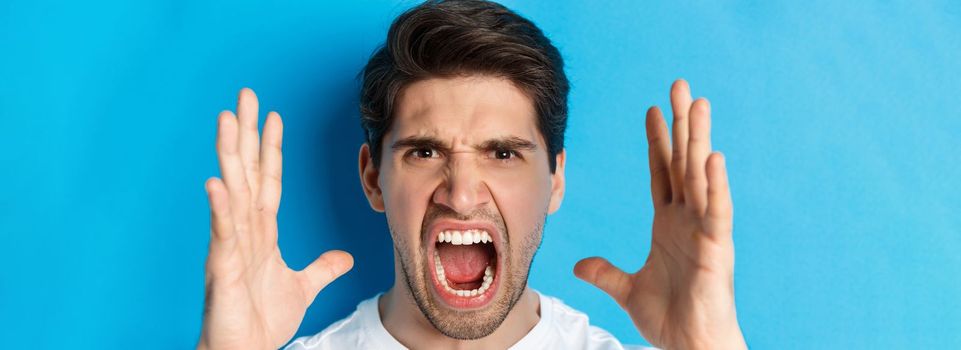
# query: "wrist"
[[202, 343], [733, 340]]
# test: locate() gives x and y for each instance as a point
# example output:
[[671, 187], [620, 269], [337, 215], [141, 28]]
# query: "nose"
[[463, 189]]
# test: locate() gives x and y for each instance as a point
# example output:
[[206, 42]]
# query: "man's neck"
[[398, 309]]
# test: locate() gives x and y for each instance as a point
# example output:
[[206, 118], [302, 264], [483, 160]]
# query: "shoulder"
[[347, 333], [572, 327]]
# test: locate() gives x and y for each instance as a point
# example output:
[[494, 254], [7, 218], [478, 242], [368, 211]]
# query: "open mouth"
[[465, 264]]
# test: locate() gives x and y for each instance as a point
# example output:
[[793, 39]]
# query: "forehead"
[[468, 109]]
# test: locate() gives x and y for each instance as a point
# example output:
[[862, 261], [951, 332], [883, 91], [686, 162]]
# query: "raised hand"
[[253, 300], [683, 296]]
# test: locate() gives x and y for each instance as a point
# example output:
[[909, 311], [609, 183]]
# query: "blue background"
[[838, 120]]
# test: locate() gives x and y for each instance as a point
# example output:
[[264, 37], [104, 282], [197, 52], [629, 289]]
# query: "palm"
[[684, 293], [252, 315], [685, 271], [254, 300]]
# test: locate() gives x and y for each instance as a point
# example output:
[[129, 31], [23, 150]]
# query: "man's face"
[[466, 185]]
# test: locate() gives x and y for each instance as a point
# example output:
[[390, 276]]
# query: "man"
[[465, 110]]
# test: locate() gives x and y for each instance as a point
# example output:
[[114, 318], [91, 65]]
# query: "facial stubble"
[[472, 324]]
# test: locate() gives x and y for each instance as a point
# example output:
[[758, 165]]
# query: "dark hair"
[[463, 37]]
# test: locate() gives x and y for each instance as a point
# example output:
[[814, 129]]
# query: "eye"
[[505, 154], [422, 153]]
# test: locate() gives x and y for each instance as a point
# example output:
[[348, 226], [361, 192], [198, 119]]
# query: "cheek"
[[406, 196], [521, 193], [522, 199]]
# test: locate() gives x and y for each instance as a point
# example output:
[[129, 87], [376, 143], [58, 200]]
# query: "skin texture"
[[465, 181], [682, 298], [254, 301]]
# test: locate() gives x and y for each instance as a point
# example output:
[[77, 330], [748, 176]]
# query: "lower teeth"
[[488, 278]]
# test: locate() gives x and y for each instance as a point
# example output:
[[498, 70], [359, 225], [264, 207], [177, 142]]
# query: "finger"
[[221, 226], [271, 162], [232, 170], [249, 143], [324, 270], [720, 210], [680, 105], [659, 157], [608, 278], [698, 148]]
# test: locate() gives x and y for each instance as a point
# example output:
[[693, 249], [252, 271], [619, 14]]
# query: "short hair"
[[465, 37]]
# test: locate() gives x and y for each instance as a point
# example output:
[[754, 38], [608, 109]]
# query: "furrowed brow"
[[418, 142], [510, 142]]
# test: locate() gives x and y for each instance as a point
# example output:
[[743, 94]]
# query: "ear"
[[557, 183], [368, 179]]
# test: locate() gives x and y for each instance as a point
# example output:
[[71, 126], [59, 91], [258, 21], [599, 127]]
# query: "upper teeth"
[[464, 237]]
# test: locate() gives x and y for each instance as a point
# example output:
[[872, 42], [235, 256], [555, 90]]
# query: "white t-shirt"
[[560, 327]]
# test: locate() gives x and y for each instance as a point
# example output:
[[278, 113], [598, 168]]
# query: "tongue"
[[463, 263]]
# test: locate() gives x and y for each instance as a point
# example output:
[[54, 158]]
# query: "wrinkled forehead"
[[464, 111]]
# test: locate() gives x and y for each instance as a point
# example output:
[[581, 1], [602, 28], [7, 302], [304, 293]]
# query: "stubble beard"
[[472, 324]]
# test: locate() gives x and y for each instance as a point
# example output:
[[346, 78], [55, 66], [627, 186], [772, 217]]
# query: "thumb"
[[600, 273], [325, 269]]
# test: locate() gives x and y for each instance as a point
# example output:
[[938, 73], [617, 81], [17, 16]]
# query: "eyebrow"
[[418, 142], [509, 142]]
